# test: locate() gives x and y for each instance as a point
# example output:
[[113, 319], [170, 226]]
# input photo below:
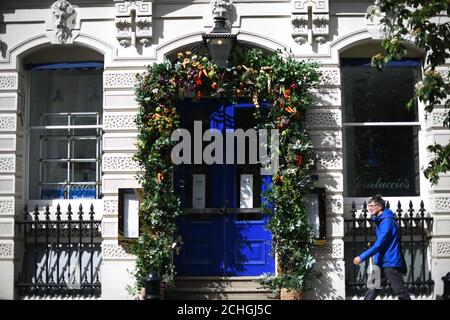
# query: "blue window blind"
[[365, 62], [65, 65]]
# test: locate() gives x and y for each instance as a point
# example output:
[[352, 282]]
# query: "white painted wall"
[[25, 29]]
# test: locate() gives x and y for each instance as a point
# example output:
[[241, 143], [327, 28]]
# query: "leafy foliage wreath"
[[282, 82]]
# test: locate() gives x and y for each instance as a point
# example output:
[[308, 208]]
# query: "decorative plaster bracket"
[[134, 23], [310, 19]]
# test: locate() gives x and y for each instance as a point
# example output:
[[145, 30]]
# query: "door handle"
[[223, 210], [201, 211]]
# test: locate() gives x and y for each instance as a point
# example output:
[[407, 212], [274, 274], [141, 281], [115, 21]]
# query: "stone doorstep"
[[220, 296], [234, 288], [238, 283]]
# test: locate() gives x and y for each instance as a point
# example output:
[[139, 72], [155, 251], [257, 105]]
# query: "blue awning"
[[365, 62], [65, 65]]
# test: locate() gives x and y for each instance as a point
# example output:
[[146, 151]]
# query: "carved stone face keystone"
[[221, 8], [220, 12], [61, 11]]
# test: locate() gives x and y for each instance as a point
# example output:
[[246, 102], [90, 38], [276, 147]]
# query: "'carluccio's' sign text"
[[400, 184]]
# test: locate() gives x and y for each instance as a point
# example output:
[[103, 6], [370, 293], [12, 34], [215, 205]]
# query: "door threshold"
[[212, 278]]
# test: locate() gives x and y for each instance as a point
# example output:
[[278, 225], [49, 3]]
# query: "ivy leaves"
[[281, 82]]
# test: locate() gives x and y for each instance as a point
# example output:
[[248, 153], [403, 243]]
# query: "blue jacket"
[[386, 250]]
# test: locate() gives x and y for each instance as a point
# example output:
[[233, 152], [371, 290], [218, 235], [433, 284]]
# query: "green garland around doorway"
[[281, 82]]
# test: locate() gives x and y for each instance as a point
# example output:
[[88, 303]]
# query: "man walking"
[[386, 250]]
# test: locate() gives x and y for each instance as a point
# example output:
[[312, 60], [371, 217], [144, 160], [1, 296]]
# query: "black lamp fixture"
[[219, 41]]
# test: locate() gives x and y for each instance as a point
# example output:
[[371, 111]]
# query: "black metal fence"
[[61, 257], [415, 233]]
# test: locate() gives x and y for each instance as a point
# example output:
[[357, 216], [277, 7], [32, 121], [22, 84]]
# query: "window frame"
[[28, 129], [419, 124]]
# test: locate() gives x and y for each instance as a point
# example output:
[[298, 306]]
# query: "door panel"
[[201, 229], [201, 238], [228, 237]]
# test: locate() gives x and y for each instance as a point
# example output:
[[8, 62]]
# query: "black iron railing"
[[60, 257], [415, 233]]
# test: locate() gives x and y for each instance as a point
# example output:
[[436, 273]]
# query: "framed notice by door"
[[129, 202], [317, 212]]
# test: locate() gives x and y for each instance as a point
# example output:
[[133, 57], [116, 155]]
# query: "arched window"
[[65, 129], [380, 133]]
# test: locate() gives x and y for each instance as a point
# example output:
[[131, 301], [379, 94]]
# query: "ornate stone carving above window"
[[134, 23], [310, 20], [63, 22], [378, 24], [222, 8]]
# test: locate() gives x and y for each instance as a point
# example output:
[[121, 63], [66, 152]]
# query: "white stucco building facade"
[[125, 37]]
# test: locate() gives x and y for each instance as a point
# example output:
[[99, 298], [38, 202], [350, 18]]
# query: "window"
[[381, 134], [65, 131]]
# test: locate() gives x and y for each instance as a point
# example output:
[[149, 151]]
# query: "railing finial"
[[25, 212], [364, 210], [422, 209], [353, 211], [36, 212], [47, 212], [58, 212], [80, 212], [91, 212], [69, 212], [399, 210], [411, 210]]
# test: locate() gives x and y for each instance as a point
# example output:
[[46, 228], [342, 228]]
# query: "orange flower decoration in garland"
[[287, 93], [185, 62], [289, 109], [160, 177], [279, 180], [298, 159]]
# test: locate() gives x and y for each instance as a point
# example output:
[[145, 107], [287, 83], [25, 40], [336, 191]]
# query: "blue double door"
[[223, 226]]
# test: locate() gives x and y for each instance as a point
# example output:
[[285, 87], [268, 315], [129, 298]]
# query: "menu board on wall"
[[246, 191], [130, 215], [198, 191]]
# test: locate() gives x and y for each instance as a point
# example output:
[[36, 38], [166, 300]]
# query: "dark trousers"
[[395, 277]]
